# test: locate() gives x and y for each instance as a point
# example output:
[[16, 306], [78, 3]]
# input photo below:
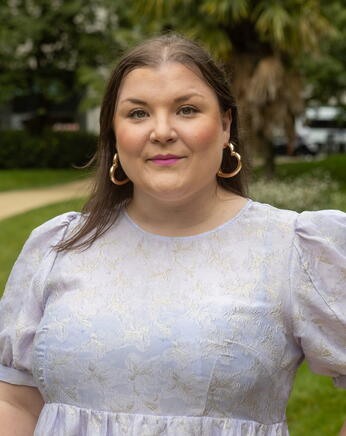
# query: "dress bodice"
[[149, 335]]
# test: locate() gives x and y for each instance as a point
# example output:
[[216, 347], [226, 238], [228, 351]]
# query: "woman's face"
[[170, 132]]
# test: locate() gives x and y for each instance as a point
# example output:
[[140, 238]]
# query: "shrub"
[[312, 191], [18, 149]]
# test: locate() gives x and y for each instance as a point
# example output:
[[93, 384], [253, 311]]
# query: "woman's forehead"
[[168, 78]]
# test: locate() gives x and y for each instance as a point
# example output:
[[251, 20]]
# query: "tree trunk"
[[39, 120], [290, 132], [269, 158]]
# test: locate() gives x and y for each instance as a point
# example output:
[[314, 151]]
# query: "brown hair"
[[106, 200]]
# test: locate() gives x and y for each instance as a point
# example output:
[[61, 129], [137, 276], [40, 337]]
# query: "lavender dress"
[[147, 335]]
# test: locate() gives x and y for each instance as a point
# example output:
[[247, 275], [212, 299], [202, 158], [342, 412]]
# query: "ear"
[[226, 124]]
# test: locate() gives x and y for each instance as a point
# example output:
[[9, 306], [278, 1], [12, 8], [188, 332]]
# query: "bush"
[[18, 149], [313, 191]]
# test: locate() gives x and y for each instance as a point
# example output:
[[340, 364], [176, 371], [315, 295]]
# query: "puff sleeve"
[[21, 307], [318, 291]]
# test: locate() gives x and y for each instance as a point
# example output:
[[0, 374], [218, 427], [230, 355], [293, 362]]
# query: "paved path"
[[15, 202]]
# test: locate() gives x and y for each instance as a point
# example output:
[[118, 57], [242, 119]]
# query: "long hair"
[[106, 200]]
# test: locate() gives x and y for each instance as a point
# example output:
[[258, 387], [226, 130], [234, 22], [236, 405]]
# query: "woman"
[[174, 305]]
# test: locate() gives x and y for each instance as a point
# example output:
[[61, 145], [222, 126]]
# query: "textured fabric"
[[150, 335]]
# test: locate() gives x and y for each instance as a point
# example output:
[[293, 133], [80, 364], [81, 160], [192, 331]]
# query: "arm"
[[319, 294], [21, 311], [15, 421], [20, 407]]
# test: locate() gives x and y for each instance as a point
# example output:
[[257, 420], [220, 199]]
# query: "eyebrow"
[[176, 100]]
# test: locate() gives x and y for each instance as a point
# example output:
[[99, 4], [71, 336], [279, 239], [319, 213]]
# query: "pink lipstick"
[[168, 159], [164, 161]]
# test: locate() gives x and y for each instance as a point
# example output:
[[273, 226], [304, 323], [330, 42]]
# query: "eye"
[[137, 114], [188, 110]]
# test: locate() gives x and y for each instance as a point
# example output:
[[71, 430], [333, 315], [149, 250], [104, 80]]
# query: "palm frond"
[[312, 25], [266, 81], [214, 40], [271, 21], [158, 9], [226, 10]]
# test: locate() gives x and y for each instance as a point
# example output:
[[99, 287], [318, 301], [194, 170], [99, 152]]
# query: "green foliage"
[[36, 178], [304, 185], [313, 191], [333, 166], [18, 149], [326, 70], [290, 27], [52, 52]]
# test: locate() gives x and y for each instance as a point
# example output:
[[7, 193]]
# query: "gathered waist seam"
[[284, 422]]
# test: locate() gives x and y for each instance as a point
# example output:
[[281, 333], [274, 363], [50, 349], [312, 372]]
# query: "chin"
[[169, 193], [169, 187]]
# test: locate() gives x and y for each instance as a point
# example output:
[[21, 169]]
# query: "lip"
[[165, 157], [166, 161]]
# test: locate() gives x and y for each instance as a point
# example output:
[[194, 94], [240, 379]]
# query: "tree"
[[52, 51], [263, 41], [325, 71]]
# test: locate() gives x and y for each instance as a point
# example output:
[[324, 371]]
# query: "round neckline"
[[198, 235]]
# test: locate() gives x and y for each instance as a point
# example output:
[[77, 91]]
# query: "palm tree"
[[262, 41]]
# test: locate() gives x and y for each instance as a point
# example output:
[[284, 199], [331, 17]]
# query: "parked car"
[[323, 129], [320, 129], [300, 147]]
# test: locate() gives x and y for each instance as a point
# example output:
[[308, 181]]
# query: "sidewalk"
[[15, 202]]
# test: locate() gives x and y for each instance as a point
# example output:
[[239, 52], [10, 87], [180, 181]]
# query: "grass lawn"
[[304, 185], [334, 166], [36, 178], [316, 407]]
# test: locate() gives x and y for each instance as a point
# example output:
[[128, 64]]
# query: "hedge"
[[18, 149]]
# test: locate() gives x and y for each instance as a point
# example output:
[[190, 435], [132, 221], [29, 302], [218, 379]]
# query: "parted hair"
[[106, 199]]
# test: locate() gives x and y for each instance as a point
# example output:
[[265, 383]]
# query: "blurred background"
[[286, 61]]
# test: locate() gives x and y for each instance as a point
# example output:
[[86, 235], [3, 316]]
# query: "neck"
[[195, 213]]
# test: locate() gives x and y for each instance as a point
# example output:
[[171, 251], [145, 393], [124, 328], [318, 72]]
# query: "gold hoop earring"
[[112, 172], [239, 165]]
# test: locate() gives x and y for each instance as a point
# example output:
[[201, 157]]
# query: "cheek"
[[206, 135], [128, 139]]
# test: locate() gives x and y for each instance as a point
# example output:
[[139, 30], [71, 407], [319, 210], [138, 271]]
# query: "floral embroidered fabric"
[[150, 335]]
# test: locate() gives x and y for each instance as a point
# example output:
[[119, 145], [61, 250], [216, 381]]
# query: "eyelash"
[[132, 114]]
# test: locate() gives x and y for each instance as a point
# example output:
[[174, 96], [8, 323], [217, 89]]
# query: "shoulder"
[[272, 214], [316, 226], [320, 240], [57, 222], [323, 223], [276, 223], [54, 230], [319, 257], [307, 231], [38, 252]]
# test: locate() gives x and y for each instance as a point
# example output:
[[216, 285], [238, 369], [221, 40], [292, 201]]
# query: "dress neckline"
[[190, 237]]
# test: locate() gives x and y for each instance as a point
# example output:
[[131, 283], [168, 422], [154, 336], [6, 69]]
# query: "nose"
[[163, 131]]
